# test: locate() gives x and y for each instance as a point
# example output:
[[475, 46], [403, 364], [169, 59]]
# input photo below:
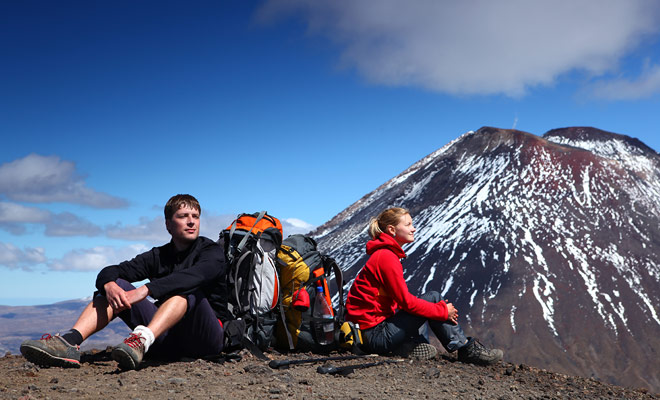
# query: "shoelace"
[[47, 336], [134, 341]]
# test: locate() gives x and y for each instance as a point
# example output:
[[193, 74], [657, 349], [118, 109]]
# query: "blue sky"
[[108, 108]]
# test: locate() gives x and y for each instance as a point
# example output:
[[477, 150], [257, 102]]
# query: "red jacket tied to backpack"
[[379, 290]]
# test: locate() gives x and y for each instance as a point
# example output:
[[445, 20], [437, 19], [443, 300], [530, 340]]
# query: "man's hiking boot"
[[129, 354], [51, 351], [418, 351], [475, 353]]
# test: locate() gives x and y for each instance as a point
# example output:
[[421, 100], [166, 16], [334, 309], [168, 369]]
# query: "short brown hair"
[[178, 201], [391, 216]]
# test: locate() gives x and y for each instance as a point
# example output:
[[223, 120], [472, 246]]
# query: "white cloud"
[[41, 179], [153, 230], [646, 85], [479, 46], [96, 258], [12, 213], [150, 230], [13, 257], [212, 225], [292, 226], [67, 224], [13, 218]]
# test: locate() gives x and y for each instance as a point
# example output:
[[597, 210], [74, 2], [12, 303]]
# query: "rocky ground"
[[250, 378]]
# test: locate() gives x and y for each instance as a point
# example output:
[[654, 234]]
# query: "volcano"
[[547, 245]]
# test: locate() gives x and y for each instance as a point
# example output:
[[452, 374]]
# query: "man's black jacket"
[[171, 273]]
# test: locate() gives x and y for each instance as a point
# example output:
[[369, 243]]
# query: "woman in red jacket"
[[390, 318]]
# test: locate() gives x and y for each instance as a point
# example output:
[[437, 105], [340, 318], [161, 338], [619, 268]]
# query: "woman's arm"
[[391, 272]]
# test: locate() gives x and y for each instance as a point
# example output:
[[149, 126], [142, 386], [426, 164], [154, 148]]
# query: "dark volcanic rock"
[[547, 245], [441, 378]]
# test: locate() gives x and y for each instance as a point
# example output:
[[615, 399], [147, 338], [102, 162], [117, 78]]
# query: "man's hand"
[[453, 313], [138, 294], [121, 300]]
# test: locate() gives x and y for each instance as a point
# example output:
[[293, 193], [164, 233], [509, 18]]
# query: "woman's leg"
[[403, 327], [390, 334], [451, 336]]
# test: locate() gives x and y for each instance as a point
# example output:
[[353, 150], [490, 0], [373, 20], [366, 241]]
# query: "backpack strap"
[[283, 319], [253, 348], [237, 287], [269, 218], [287, 251], [240, 246], [330, 264]]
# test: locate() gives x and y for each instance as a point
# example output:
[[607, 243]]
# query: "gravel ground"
[[250, 378]]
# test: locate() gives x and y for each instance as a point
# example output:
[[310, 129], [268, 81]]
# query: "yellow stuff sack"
[[302, 269], [350, 337]]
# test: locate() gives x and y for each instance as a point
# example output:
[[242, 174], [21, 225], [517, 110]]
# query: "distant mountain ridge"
[[18, 323], [547, 245]]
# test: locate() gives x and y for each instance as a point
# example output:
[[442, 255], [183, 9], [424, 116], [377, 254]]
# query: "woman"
[[391, 318]]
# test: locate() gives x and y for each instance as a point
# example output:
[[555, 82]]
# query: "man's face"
[[184, 225]]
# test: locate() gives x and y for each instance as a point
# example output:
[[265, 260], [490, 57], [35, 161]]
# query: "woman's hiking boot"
[[475, 353], [423, 351], [51, 351], [130, 353], [418, 351]]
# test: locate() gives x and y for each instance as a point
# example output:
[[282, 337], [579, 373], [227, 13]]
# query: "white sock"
[[147, 334]]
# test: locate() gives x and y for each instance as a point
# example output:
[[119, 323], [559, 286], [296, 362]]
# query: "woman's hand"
[[453, 313]]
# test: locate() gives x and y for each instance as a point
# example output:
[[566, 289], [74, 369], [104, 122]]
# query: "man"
[[187, 278]]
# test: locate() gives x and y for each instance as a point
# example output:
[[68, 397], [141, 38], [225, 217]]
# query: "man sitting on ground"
[[187, 278]]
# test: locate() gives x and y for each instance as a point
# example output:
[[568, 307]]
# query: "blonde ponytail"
[[374, 229], [391, 216]]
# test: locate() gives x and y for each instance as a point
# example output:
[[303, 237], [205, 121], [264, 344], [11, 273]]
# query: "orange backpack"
[[251, 243]]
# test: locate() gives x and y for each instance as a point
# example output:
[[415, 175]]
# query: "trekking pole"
[[349, 369], [276, 364]]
